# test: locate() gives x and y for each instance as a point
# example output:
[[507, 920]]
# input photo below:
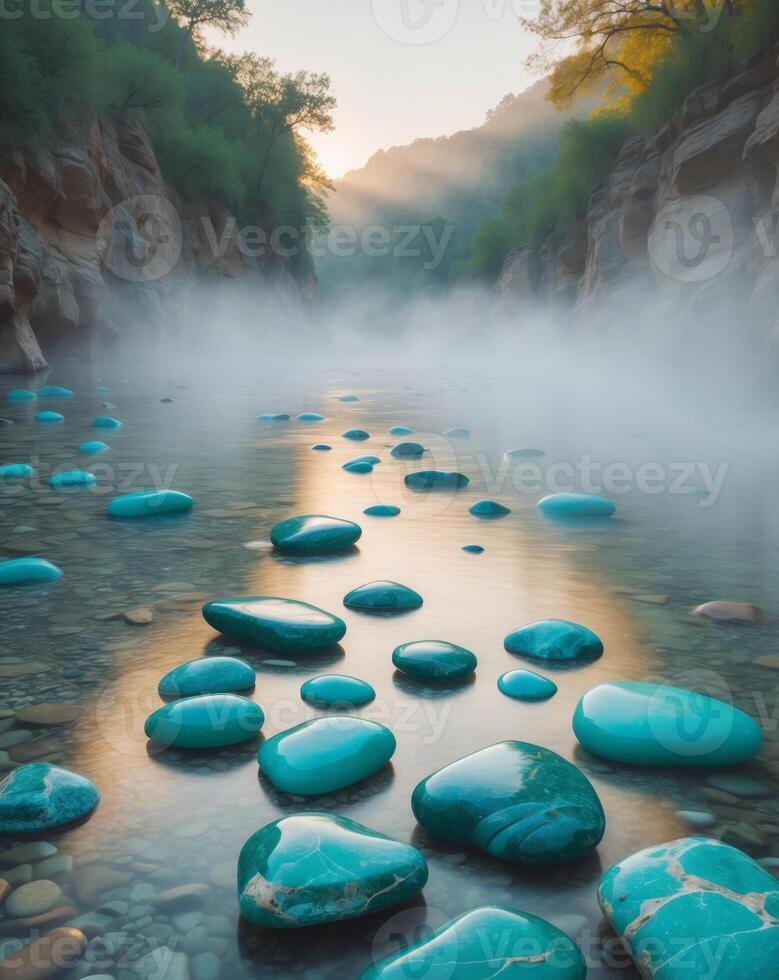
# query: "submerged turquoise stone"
[[382, 510], [149, 503], [21, 395], [331, 690], [457, 433], [49, 418], [15, 471], [209, 675], [326, 754], [524, 454], [514, 800], [357, 435], [407, 450], [321, 447], [434, 660], [427, 480], [106, 422], [283, 625], [312, 868], [655, 725], [358, 466], [488, 509], [93, 446], [383, 597], [575, 505], [694, 908], [210, 721], [488, 942], [314, 534], [40, 796], [525, 685], [54, 391], [72, 478], [273, 417], [473, 549], [17, 571], [400, 430], [555, 641], [310, 417]]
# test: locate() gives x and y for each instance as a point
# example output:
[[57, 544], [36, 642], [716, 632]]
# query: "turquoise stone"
[[54, 391], [15, 471], [656, 725], [427, 480], [102, 389], [434, 660], [93, 446], [283, 625], [72, 478], [383, 597], [210, 721], [333, 690], [106, 422], [457, 433], [314, 534], [17, 571], [382, 510], [473, 549], [400, 430], [273, 417], [488, 509], [488, 942], [524, 454], [150, 503], [326, 754], [407, 450], [21, 395], [555, 641], [373, 460], [49, 418], [357, 435], [516, 801], [321, 447], [525, 685], [348, 398], [568, 505], [359, 467], [40, 796], [694, 908], [310, 417], [312, 868], [209, 675]]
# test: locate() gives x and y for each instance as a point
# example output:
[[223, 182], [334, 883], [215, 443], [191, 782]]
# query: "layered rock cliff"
[[92, 239]]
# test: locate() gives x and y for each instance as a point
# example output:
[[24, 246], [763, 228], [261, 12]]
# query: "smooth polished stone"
[[93, 446], [373, 460], [33, 898], [473, 549], [208, 675], [723, 611], [569, 505], [331, 690], [488, 942], [457, 433], [514, 800], [21, 395], [555, 641], [321, 447], [106, 422], [18, 571], [72, 478], [524, 454], [210, 721], [273, 417], [314, 534], [360, 467], [656, 725], [694, 908], [407, 450], [525, 685], [15, 471], [434, 660], [49, 418], [39, 796], [425, 481], [400, 430], [312, 868], [356, 435], [150, 503], [326, 754], [488, 509], [310, 417], [382, 510], [282, 625], [54, 391], [383, 597]]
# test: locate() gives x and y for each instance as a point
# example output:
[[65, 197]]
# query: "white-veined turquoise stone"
[[314, 534], [208, 675], [326, 754], [567, 505], [425, 481], [39, 796], [93, 446], [488, 509], [150, 503], [21, 395], [54, 391], [555, 641], [382, 510], [408, 450], [337, 690], [282, 625], [400, 430], [49, 418], [310, 417], [357, 435], [526, 685], [18, 571], [273, 417], [15, 471], [210, 721], [359, 467], [694, 908], [657, 725], [312, 868], [383, 597], [106, 422], [72, 478]]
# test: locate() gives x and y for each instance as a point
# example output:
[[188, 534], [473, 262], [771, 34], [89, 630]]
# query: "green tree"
[[137, 79], [227, 16]]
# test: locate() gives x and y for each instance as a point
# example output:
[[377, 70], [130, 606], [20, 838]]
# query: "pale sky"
[[401, 69]]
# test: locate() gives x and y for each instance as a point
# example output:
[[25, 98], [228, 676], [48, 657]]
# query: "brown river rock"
[[58, 950]]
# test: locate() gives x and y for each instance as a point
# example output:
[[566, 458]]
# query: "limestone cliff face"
[[91, 237], [691, 212]]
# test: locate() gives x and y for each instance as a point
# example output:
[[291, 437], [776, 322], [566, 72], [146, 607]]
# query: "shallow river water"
[[173, 817]]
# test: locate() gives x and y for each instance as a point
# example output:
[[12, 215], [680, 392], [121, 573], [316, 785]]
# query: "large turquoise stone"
[[383, 597], [207, 722], [72, 478], [483, 944], [656, 725], [694, 908], [310, 417], [337, 690], [357, 435], [488, 509], [21, 395], [283, 625], [407, 450], [514, 800], [555, 641], [106, 422], [312, 868], [273, 417], [15, 471], [400, 430], [54, 391], [17, 571], [49, 418], [434, 660], [209, 675], [314, 534], [382, 510], [568, 505], [150, 503], [526, 685], [40, 796], [93, 446], [425, 481], [325, 754], [359, 466]]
